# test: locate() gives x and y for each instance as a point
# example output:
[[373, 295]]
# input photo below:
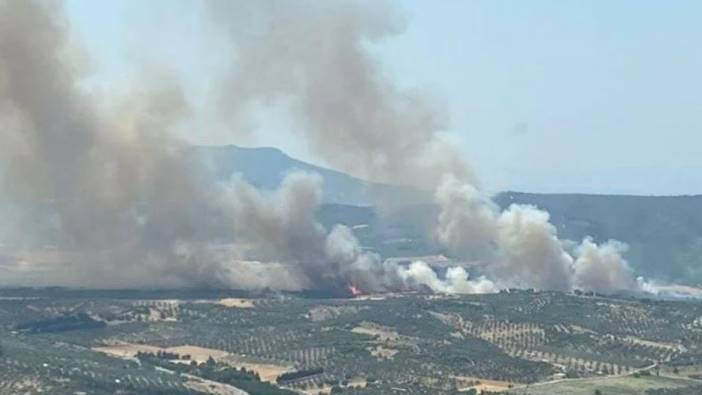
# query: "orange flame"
[[355, 291]]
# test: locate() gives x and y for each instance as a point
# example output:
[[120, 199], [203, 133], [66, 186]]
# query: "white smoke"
[[520, 247], [457, 281], [530, 253], [466, 221], [602, 268]]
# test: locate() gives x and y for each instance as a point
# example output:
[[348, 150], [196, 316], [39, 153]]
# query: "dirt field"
[[358, 382], [212, 387], [126, 350], [238, 303], [465, 383], [325, 390], [268, 372], [198, 354]]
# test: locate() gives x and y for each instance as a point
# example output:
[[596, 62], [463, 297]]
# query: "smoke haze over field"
[[130, 210]]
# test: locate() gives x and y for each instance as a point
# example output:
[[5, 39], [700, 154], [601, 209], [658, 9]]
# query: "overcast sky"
[[554, 96]]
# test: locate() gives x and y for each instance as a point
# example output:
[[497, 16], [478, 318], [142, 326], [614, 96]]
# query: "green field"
[[58, 342]]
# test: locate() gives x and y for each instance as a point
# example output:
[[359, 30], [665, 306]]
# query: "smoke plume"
[[520, 247], [466, 222], [121, 193], [602, 268], [314, 57], [419, 274], [282, 228], [530, 253], [117, 194]]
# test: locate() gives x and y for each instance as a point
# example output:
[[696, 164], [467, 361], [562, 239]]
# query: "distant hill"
[[266, 167], [664, 233]]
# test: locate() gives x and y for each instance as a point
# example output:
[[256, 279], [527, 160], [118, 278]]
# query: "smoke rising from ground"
[[457, 281], [530, 253], [602, 268], [466, 221], [121, 193], [128, 209], [314, 57], [521, 247], [282, 227]]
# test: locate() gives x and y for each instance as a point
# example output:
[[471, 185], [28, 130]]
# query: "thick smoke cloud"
[[282, 227], [602, 268], [531, 254], [466, 221], [314, 57], [122, 195], [456, 281], [125, 206], [520, 247], [131, 210]]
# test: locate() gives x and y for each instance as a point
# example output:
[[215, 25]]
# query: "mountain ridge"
[[225, 161]]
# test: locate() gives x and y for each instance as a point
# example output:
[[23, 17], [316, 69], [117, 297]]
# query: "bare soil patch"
[[238, 303]]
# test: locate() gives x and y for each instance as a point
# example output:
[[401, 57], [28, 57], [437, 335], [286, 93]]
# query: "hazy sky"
[[557, 96]]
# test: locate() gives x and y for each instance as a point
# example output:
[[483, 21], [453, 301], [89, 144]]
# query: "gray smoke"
[[126, 207], [313, 56], [281, 227], [130, 208], [466, 221], [124, 201]]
